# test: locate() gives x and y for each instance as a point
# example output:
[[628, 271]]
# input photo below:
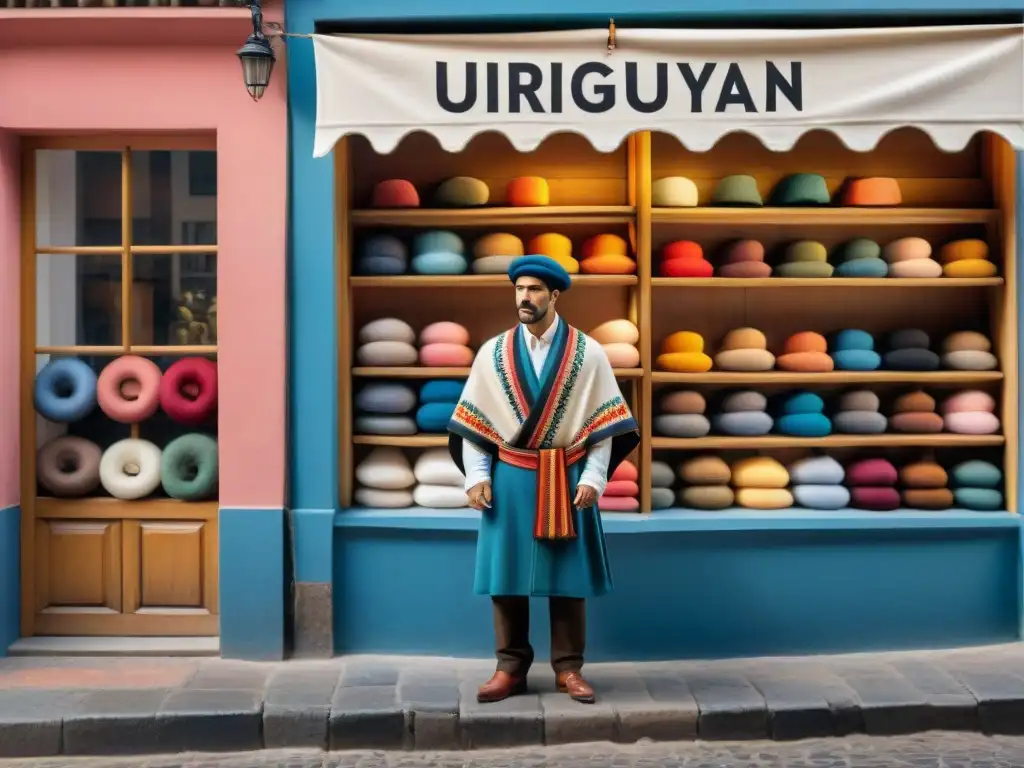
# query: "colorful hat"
[[737, 190], [801, 189], [461, 192], [542, 268], [674, 192]]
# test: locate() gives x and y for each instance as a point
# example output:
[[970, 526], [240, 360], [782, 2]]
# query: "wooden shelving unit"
[[947, 196]]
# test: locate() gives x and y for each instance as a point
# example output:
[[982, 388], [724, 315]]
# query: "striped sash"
[[553, 519]]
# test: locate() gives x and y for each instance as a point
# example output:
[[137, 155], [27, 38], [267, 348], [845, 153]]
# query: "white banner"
[[696, 84]]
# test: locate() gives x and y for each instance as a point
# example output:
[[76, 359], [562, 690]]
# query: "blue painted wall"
[[252, 579], [10, 577]]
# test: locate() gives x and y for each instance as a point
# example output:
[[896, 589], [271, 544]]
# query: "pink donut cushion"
[[626, 471], [128, 389], [622, 355], [444, 355], [188, 390], [971, 400], [971, 423], [622, 488], [618, 504], [444, 333], [868, 472]]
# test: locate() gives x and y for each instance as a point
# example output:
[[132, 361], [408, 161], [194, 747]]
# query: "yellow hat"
[[551, 244]]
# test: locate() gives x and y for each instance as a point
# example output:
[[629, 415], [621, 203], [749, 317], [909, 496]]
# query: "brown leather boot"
[[500, 687], [577, 688]]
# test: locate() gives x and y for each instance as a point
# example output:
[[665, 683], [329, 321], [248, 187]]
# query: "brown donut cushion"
[[924, 474], [705, 470], [69, 466], [913, 402], [743, 338], [745, 269], [928, 498], [707, 497], [916, 423]]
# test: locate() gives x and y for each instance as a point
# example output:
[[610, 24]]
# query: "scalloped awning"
[[949, 81]]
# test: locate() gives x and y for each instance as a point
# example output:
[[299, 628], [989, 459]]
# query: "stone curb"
[[380, 706]]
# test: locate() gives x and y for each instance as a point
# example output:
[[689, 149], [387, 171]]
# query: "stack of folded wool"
[[761, 483], [445, 345], [385, 408], [662, 480], [618, 338], [706, 480], [386, 342], [438, 400], [622, 490], [817, 483], [385, 479], [440, 484]]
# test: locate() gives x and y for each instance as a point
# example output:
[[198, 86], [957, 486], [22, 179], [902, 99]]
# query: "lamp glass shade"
[[257, 59]]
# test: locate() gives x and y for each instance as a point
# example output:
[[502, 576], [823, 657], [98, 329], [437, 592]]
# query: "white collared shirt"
[[595, 470]]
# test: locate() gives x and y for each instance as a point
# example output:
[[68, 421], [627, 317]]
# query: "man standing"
[[539, 429]]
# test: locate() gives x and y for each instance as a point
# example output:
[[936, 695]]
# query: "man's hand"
[[480, 496], [585, 497]]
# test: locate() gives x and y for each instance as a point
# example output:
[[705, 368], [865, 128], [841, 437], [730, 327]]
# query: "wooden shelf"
[[412, 372], [402, 441], [823, 216], [486, 217], [835, 378], [824, 282], [477, 281], [725, 442], [103, 508]]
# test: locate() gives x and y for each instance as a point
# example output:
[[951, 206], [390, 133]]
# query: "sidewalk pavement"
[[107, 706]]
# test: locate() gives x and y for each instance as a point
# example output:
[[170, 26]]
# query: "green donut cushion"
[[804, 269], [189, 467], [863, 268]]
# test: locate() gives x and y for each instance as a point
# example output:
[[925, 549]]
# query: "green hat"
[[461, 192], [737, 190], [806, 250], [801, 189], [859, 248]]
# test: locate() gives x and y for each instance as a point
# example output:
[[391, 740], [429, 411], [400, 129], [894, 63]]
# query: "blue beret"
[[543, 268]]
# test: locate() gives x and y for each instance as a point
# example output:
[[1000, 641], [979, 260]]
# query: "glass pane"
[[78, 197], [174, 198], [78, 300], [176, 299]]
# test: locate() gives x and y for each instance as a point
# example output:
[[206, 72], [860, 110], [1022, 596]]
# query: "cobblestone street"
[[931, 750]]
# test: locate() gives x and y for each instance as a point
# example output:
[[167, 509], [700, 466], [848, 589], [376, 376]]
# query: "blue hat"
[[543, 268]]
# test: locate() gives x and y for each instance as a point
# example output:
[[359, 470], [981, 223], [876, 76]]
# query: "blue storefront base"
[[10, 576]]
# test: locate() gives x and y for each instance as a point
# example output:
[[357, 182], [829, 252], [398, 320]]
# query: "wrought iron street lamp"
[[256, 55]]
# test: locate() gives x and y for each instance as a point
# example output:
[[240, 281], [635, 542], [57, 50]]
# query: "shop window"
[[122, 365], [762, 278]]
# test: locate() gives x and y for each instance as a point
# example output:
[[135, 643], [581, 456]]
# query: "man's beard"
[[536, 315]]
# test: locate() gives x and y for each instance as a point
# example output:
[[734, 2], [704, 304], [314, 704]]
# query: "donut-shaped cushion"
[[980, 474], [803, 402], [860, 422], [384, 425], [916, 423], [759, 472], [438, 241], [622, 355], [805, 269], [709, 497], [869, 472], [608, 264], [461, 192], [681, 425], [858, 249], [382, 255], [128, 389], [963, 250], [742, 251], [966, 341], [528, 191], [683, 341], [439, 263], [189, 467], [745, 360], [804, 425], [908, 338], [856, 360], [625, 471], [618, 504], [915, 268], [907, 249], [130, 469], [875, 499], [736, 402], [378, 499], [816, 470], [969, 268], [684, 401], [674, 192], [65, 390], [686, 250], [387, 329], [434, 417], [661, 475], [493, 265], [806, 251], [385, 468], [750, 270], [442, 391], [806, 362], [979, 499], [764, 498], [928, 498], [976, 423], [440, 496], [446, 356], [744, 423], [188, 390], [705, 470], [923, 474], [621, 488], [662, 498], [743, 339], [859, 400], [911, 360], [911, 402], [498, 244], [684, 362], [69, 466], [616, 332], [444, 333], [381, 265], [821, 496], [969, 400], [385, 397], [862, 268], [687, 268], [805, 341], [969, 360], [876, 191], [395, 193]]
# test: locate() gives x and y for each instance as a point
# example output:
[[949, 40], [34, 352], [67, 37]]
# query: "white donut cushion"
[[378, 499], [387, 329], [440, 496], [130, 469], [435, 467], [386, 469]]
